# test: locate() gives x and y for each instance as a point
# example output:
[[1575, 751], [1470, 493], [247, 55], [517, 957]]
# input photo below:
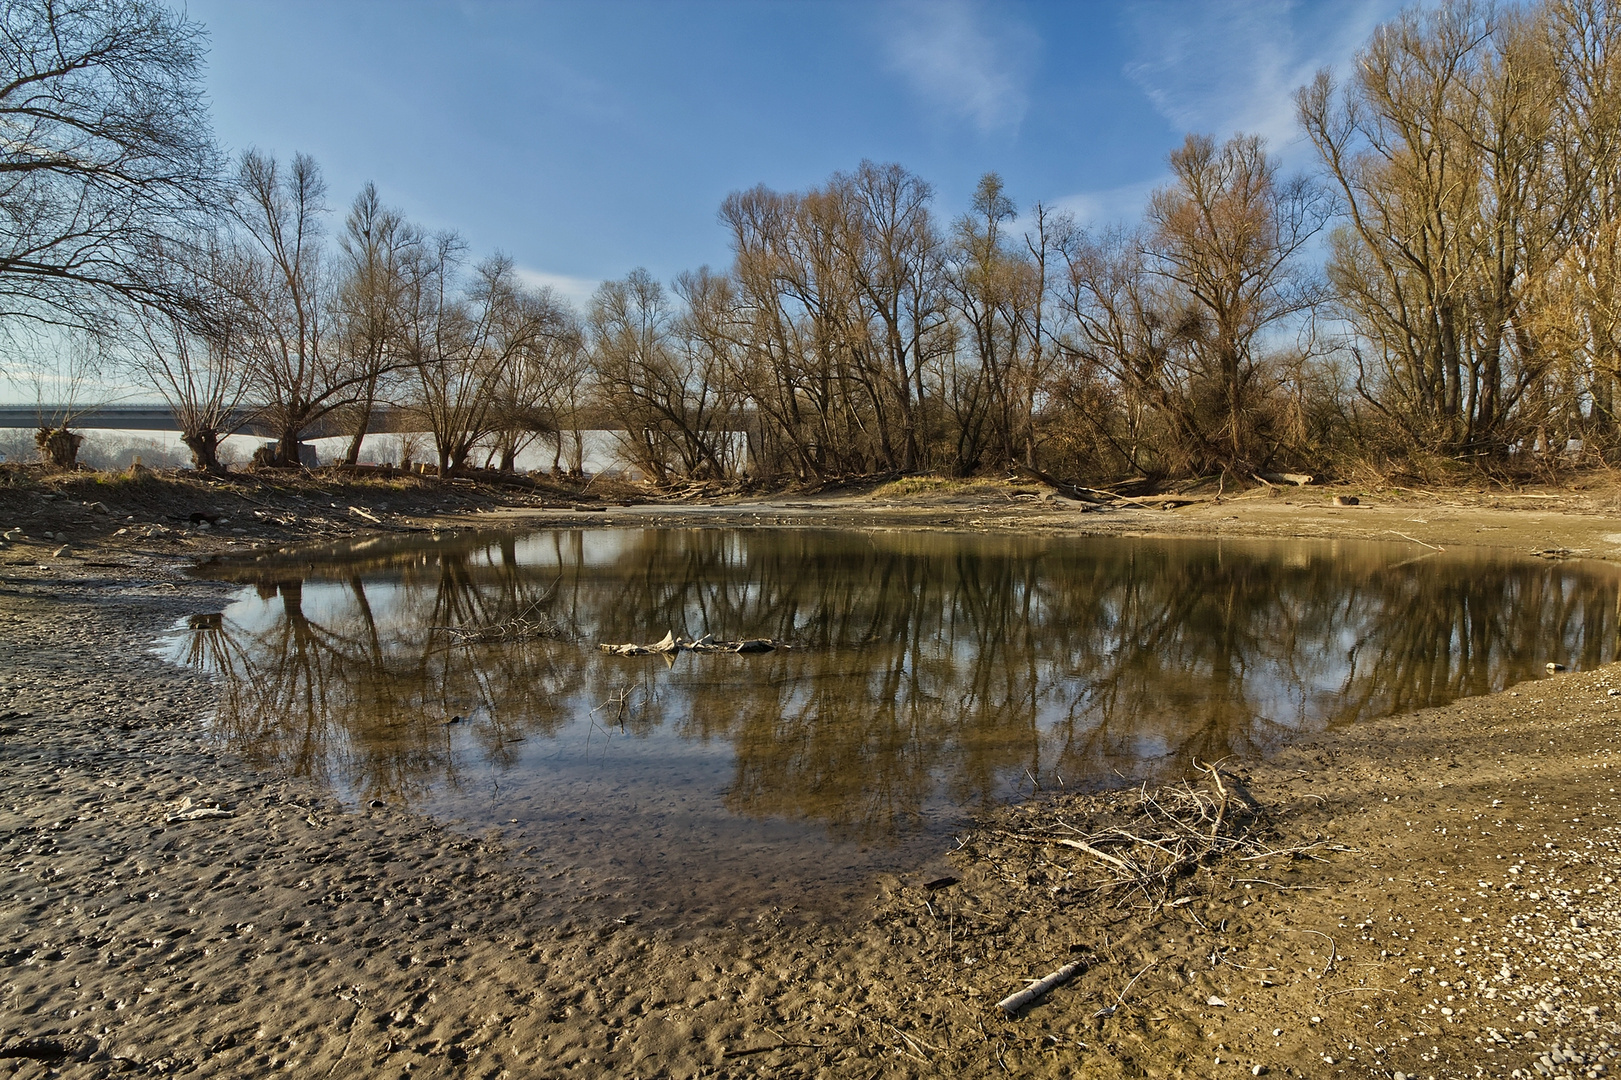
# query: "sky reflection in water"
[[932, 674]]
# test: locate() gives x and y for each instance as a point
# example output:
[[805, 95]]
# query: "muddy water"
[[930, 674]]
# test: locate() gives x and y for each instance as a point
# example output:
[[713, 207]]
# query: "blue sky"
[[585, 139]]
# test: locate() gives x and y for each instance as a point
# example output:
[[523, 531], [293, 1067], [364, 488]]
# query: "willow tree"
[[377, 249], [1584, 44], [197, 355], [1441, 147], [999, 284], [841, 319], [1191, 317], [465, 339], [663, 376]]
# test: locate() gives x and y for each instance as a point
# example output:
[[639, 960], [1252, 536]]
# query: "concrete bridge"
[[385, 419]]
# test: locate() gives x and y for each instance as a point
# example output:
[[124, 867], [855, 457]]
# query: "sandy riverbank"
[[1464, 866]]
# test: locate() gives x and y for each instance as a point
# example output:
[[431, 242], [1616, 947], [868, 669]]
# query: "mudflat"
[[1428, 895]]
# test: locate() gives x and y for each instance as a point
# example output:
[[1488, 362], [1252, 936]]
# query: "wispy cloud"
[[1234, 65], [964, 59], [1227, 66], [1100, 209], [576, 290]]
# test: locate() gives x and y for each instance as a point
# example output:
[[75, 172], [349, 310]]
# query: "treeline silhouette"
[[1441, 288]]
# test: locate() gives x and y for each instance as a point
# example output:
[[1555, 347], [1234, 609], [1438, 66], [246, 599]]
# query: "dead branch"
[[669, 645], [1015, 1003]]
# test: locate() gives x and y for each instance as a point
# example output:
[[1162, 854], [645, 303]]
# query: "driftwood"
[[1161, 502], [670, 645], [1014, 1003], [1297, 479]]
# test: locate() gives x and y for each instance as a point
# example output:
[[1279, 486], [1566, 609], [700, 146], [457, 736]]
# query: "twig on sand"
[[917, 1050], [1333, 949], [1415, 540], [1276, 885], [1120, 999]]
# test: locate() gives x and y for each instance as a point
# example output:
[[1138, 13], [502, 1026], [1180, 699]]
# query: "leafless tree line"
[[1442, 287], [299, 330]]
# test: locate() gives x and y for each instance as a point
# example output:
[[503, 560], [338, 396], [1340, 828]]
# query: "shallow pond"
[[930, 674]]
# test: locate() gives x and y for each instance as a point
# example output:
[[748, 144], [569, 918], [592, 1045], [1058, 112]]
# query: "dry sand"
[[164, 910]]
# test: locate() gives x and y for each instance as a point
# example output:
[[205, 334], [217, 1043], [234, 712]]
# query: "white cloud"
[[1234, 65], [1100, 209], [576, 290], [964, 59]]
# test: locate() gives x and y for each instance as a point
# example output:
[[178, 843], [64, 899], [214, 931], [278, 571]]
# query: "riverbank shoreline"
[[164, 910]]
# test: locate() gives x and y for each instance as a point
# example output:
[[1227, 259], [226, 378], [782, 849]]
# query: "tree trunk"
[[352, 455], [287, 450], [59, 447], [204, 447]]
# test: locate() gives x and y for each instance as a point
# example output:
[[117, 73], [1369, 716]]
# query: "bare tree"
[[1440, 147], [999, 289], [301, 369], [196, 356], [538, 391], [378, 249], [466, 345], [1189, 317], [839, 320], [107, 153], [662, 374], [1584, 47], [1224, 237]]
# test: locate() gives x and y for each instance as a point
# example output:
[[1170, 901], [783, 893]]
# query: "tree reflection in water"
[[934, 672]]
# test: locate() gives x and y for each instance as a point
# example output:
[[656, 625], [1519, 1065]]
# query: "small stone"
[[1216, 1001], [1259, 1070], [62, 552], [1555, 667]]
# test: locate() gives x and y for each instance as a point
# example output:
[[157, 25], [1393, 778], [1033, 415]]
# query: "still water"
[[930, 675]]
